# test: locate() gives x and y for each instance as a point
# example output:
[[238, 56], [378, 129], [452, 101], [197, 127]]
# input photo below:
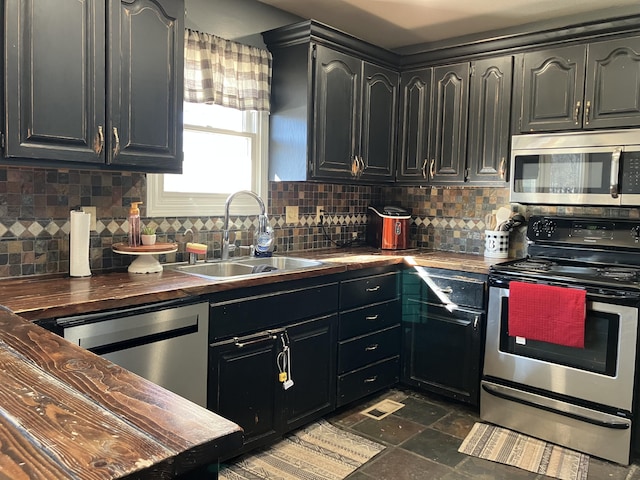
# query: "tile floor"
[[422, 441]]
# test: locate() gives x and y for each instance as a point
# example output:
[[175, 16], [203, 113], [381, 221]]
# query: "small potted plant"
[[148, 235]]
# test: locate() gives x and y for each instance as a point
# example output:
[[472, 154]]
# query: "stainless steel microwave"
[[576, 168]]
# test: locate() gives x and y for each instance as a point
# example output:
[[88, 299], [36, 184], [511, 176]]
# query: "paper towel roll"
[[79, 244]]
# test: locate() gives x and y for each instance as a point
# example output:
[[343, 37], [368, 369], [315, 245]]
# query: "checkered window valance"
[[222, 72]]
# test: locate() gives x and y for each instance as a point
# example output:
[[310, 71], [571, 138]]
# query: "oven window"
[[600, 344], [562, 173]]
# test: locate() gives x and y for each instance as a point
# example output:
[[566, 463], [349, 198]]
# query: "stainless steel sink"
[[282, 263], [245, 266], [221, 269]]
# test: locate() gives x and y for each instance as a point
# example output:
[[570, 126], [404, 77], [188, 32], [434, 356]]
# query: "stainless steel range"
[[570, 379]]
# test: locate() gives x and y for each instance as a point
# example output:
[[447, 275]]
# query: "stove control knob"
[[635, 233]]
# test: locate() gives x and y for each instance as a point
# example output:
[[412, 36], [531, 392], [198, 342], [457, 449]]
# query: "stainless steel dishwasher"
[[163, 342]]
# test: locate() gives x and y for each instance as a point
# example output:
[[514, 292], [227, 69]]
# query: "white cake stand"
[[146, 261]]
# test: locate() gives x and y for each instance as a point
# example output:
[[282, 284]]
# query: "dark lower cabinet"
[[256, 337], [443, 332], [369, 335]]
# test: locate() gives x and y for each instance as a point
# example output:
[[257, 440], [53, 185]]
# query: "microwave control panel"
[[630, 172]]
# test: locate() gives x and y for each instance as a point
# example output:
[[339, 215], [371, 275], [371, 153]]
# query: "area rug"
[[319, 451], [511, 448]]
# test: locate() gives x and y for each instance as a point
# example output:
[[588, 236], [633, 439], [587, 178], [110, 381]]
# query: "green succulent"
[[148, 230]]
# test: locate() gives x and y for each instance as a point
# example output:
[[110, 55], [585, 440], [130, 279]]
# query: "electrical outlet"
[[92, 211], [319, 211], [354, 235], [291, 214]]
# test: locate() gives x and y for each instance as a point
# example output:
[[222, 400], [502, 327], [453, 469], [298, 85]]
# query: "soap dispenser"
[[134, 225]]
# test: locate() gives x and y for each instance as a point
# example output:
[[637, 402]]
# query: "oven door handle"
[[615, 170], [613, 425]]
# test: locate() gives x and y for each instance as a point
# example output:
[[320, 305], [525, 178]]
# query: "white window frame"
[[172, 204]]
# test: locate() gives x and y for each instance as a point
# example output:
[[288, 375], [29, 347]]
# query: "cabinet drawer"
[[372, 289], [261, 312], [362, 382], [456, 288], [368, 319], [360, 351]]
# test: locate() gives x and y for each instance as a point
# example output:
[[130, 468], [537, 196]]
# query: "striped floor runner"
[[319, 451], [511, 448]]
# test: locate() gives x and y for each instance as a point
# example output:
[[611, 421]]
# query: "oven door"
[[602, 373]]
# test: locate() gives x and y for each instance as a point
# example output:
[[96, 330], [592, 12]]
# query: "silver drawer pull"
[[257, 340], [371, 379], [370, 348], [372, 317], [446, 290], [373, 289]]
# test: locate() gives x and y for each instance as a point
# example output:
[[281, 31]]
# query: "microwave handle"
[[615, 170]]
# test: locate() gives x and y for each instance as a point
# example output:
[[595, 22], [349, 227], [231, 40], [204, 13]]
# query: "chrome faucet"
[[262, 220]]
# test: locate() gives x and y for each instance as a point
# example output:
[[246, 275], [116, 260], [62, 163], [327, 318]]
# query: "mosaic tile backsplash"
[[35, 205]]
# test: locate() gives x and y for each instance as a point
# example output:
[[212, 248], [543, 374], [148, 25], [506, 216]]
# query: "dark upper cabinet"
[[454, 123], [337, 97], [590, 86], [415, 118], [333, 107], [448, 129], [489, 110], [94, 83]]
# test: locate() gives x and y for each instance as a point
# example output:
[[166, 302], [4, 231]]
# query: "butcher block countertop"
[[42, 297], [67, 413]]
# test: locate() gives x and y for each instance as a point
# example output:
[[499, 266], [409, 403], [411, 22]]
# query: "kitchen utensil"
[[502, 215]]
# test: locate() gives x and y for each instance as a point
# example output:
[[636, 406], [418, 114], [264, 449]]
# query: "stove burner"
[[619, 273], [535, 264]]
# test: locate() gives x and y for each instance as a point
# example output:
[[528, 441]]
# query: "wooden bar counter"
[[66, 413]]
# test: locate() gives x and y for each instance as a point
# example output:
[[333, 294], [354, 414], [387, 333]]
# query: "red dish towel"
[[547, 313]]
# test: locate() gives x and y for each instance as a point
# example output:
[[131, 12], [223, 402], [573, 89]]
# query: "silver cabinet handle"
[[257, 340], [432, 169], [424, 168], [501, 170], [576, 115], [371, 318], [116, 147], [587, 112], [371, 348], [371, 379], [98, 144], [447, 290], [475, 321], [373, 289]]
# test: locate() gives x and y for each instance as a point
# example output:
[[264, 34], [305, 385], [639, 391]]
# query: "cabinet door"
[[490, 106], [313, 370], [336, 113], [54, 79], [612, 91], [443, 350], [379, 122], [448, 131], [553, 89], [415, 119], [243, 385], [145, 91]]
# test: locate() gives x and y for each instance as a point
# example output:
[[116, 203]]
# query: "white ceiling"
[[399, 23]]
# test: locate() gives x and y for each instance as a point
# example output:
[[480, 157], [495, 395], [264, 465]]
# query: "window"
[[225, 150]]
